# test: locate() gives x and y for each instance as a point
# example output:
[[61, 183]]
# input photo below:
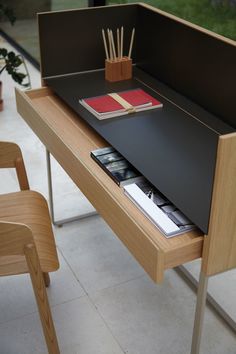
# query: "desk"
[[70, 139]]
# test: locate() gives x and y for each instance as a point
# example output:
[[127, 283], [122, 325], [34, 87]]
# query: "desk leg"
[[50, 192], [184, 273], [199, 314], [51, 204]]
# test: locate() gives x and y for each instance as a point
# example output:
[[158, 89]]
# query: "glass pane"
[[216, 15], [24, 31]]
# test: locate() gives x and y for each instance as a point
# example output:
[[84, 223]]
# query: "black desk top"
[[173, 147]]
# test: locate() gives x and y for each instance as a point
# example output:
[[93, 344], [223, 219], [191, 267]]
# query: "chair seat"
[[29, 208]]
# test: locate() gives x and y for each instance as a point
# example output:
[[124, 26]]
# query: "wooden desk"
[[196, 71], [70, 140]]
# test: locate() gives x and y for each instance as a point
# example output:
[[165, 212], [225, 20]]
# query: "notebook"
[[120, 103]]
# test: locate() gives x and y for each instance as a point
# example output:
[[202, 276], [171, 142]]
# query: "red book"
[[105, 106]]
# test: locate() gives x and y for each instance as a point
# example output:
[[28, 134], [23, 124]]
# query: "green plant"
[[10, 61]]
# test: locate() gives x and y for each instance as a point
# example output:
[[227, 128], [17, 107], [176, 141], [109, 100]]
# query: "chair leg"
[[46, 279], [41, 298]]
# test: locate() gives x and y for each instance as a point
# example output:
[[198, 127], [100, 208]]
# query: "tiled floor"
[[102, 300]]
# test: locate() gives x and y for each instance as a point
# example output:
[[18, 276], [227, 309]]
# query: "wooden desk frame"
[[69, 139]]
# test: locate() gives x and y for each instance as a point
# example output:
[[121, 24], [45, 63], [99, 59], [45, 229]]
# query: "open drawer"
[[70, 140]]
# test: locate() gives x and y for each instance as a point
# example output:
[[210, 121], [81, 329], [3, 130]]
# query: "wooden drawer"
[[70, 140]]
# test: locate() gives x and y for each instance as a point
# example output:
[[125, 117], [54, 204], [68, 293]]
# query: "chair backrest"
[[11, 157]]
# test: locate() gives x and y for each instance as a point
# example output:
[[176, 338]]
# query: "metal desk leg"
[[216, 306], [51, 205], [199, 314]]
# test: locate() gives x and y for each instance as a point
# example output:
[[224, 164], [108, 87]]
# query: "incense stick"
[[118, 42], [113, 45], [131, 43], [109, 40], [121, 42], [105, 44]]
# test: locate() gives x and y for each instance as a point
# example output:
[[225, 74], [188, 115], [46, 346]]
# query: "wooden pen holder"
[[118, 70]]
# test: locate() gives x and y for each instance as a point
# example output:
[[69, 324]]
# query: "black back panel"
[[71, 41], [194, 63]]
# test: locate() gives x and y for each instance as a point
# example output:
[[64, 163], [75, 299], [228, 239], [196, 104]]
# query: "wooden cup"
[[118, 70]]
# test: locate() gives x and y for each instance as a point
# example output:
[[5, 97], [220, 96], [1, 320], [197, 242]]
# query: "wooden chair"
[[27, 242]]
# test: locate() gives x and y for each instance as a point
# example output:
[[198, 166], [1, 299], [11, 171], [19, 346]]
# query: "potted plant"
[[10, 61]]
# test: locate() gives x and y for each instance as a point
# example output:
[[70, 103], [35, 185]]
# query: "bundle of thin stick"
[[117, 66], [110, 49]]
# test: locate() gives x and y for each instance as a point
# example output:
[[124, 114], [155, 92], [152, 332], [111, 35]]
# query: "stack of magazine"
[[155, 206], [116, 166], [165, 216]]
